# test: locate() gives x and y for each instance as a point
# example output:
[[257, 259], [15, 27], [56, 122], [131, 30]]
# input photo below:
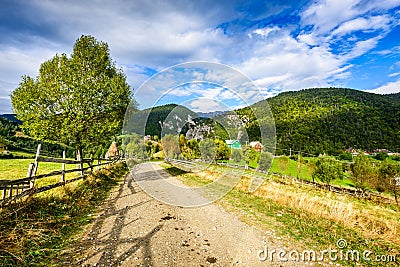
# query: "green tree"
[[207, 150], [183, 145], [283, 163], [327, 169], [362, 171], [265, 161], [135, 148], [388, 171], [346, 156], [194, 148], [249, 153], [381, 156], [170, 144], [236, 155], [222, 150], [78, 100], [2, 144]]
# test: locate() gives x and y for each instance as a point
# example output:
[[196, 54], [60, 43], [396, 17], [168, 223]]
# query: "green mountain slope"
[[332, 119], [149, 121]]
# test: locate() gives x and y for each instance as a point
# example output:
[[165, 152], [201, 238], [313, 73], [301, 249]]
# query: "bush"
[[381, 156], [396, 157], [265, 161], [327, 169], [236, 155], [346, 156]]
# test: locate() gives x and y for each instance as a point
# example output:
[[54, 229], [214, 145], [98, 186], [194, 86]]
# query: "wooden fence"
[[15, 189], [365, 194]]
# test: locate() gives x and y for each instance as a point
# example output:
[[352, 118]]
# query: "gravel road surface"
[[134, 229]]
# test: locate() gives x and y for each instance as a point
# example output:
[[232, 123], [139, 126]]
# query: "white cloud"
[[363, 24], [264, 32], [158, 34], [285, 63], [394, 74], [207, 105], [155, 34], [390, 88], [328, 14], [362, 47]]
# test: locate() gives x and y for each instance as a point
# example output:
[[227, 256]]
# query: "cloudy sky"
[[280, 45]]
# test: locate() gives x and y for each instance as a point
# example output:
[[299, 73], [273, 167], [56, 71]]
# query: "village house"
[[233, 144], [257, 146]]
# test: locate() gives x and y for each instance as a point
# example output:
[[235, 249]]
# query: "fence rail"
[[365, 194], [15, 189]]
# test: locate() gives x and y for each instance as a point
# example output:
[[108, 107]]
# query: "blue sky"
[[280, 45]]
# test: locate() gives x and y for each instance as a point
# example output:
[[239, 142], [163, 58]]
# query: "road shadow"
[[102, 249]]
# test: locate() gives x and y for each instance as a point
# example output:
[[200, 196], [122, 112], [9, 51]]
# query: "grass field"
[[40, 230], [309, 218], [293, 169], [11, 169]]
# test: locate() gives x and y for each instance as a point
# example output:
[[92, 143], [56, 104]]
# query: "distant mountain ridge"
[[329, 120], [10, 117], [211, 114], [314, 121]]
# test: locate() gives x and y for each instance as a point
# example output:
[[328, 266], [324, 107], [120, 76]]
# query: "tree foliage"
[[207, 150], [362, 171], [388, 171], [189, 148], [329, 120], [249, 153], [236, 155], [78, 100], [170, 144], [327, 169], [265, 161], [134, 147], [222, 150], [283, 163]]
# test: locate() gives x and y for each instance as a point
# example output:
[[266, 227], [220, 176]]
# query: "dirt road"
[[134, 229]]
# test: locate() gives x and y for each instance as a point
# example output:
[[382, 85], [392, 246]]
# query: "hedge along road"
[[134, 229]]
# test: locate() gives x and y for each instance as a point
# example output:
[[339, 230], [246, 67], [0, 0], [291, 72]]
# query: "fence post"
[[36, 159], [11, 190], [98, 163], [79, 157], [81, 167], [63, 169], [29, 174], [91, 165]]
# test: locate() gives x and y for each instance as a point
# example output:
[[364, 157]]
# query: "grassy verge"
[[313, 219], [17, 168], [34, 232]]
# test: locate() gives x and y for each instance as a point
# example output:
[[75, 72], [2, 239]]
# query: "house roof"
[[113, 147], [231, 142], [255, 143]]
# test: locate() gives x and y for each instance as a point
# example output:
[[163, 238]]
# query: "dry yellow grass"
[[373, 220]]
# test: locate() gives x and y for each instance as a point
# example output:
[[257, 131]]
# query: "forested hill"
[[170, 115], [332, 119]]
